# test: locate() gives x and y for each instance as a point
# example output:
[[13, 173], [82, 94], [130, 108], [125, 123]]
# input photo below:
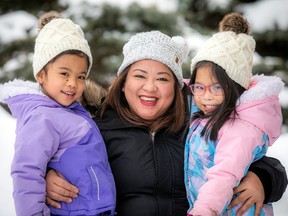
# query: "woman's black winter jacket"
[[148, 169]]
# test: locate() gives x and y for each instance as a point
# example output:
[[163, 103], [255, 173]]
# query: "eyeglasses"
[[198, 89]]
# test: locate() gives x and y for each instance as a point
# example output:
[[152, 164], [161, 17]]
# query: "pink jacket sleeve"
[[234, 154]]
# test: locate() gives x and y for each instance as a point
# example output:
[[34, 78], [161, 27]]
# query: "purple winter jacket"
[[62, 138]]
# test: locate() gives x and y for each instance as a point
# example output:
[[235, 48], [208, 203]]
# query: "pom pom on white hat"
[[232, 48], [156, 46], [56, 36]]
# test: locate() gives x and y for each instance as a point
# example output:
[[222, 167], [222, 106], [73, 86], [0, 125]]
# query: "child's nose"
[[207, 94], [71, 82]]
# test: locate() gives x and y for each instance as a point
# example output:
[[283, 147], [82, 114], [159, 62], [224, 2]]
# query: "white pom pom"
[[182, 46]]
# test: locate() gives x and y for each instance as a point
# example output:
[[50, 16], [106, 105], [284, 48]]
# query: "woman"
[[143, 121]]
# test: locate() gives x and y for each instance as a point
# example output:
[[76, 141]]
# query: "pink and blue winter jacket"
[[213, 169], [62, 138]]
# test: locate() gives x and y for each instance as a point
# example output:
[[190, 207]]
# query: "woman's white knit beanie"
[[232, 48], [156, 46], [57, 36]]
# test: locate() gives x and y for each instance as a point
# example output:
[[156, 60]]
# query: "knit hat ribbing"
[[57, 36], [159, 47], [231, 48]]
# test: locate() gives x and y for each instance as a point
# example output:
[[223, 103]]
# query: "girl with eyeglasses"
[[235, 117]]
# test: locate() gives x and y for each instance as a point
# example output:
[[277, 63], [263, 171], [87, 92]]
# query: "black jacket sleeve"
[[273, 177]]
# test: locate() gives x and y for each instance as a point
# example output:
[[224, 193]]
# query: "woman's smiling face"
[[149, 88]]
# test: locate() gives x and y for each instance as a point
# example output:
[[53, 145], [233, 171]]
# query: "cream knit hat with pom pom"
[[56, 36], [232, 49], [156, 46]]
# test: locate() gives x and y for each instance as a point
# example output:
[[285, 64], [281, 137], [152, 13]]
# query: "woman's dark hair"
[[173, 120], [227, 109]]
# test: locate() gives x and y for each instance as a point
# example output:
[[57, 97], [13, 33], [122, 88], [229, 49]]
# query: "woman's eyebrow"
[[141, 70], [164, 72]]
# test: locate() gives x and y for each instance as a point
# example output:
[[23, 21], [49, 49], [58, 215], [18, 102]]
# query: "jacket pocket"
[[102, 183], [95, 181]]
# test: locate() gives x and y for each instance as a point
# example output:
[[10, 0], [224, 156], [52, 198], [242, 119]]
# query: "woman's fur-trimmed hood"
[[92, 96]]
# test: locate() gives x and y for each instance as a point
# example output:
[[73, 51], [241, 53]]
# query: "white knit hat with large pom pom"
[[56, 36], [232, 48]]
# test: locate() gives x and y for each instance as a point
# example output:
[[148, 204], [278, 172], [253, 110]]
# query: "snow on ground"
[[15, 25]]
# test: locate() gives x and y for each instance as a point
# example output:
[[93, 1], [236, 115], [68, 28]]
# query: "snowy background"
[[261, 15]]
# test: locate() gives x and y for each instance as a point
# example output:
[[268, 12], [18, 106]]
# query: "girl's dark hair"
[[71, 52], [227, 109], [173, 120]]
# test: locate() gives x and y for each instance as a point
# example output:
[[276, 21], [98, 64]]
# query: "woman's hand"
[[58, 189], [251, 192]]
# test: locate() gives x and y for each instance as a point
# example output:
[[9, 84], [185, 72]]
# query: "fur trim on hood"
[[18, 87], [92, 96], [90, 100], [265, 86]]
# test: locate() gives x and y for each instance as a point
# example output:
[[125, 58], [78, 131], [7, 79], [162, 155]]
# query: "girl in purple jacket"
[[54, 130], [234, 119]]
